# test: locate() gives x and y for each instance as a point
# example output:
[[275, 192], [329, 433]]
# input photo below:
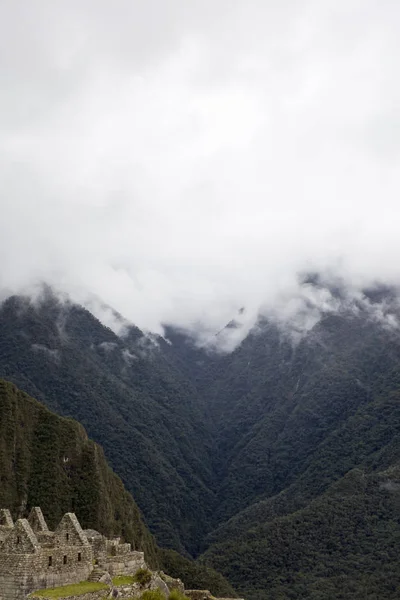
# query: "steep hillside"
[[370, 440], [149, 420], [195, 574], [291, 420], [279, 407], [220, 448], [338, 544], [49, 461], [343, 545]]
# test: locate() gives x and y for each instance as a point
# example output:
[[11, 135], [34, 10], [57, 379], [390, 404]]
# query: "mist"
[[180, 160]]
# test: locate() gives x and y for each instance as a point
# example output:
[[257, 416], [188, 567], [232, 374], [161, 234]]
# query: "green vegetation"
[[158, 595], [123, 580], [292, 422], [235, 458], [177, 595], [50, 461], [343, 413], [142, 576], [152, 595], [194, 574], [130, 398], [77, 589], [343, 545]]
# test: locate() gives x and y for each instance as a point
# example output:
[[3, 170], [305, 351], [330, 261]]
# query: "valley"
[[276, 464]]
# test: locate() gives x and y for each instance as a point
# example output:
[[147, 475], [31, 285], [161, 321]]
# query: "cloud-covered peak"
[[182, 160]]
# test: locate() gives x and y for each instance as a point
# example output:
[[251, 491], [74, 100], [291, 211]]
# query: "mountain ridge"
[[222, 445]]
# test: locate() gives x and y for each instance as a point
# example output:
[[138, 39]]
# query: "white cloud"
[[180, 159]]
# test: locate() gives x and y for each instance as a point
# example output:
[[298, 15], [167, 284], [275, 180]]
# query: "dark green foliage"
[[277, 405], [290, 421], [130, 399], [194, 574], [237, 455], [343, 545], [48, 461]]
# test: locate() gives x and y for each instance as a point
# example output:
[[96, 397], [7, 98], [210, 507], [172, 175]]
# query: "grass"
[[123, 580], [177, 595], [76, 589], [152, 595]]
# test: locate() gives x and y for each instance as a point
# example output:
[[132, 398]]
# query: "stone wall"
[[59, 558], [126, 564], [21, 574], [89, 596]]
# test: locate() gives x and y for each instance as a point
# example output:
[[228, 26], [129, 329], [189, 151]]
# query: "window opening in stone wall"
[[67, 536], [65, 560], [50, 561], [18, 540], [79, 557]]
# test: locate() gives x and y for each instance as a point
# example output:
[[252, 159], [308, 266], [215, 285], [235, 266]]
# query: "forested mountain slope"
[[279, 406], [49, 461], [291, 421], [330, 541], [343, 545], [220, 448], [148, 419]]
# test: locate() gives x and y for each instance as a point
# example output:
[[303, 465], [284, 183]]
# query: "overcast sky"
[[180, 159]]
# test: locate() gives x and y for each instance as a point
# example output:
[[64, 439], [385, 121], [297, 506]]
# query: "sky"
[[181, 159]]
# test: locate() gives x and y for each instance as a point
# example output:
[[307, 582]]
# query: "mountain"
[[274, 404], [293, 418], [49, 461], [149, 420], [326, 531], [281, 405], [221, 450], [342, 545]]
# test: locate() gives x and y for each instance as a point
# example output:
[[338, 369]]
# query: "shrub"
[[143, 576]]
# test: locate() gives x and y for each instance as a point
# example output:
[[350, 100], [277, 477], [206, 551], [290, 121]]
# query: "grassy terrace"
[[76, 589], [123, 580]]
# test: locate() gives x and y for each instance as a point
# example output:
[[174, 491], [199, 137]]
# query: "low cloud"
[[177, 161], [53, 354]]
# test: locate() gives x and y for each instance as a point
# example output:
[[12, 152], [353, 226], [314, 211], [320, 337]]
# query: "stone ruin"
[[33, 558]]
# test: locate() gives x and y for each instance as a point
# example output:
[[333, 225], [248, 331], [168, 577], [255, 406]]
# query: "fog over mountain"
[[179, 160]]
